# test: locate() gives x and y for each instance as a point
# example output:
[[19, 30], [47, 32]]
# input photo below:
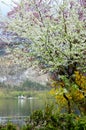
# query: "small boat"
[[32, 98], [21, 97]]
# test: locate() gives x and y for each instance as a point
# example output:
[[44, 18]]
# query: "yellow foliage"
[[58, 95], [69, 96], [80, 79], [74, 94], [53, 92], [77, 95], [60, 100], [56, 84]]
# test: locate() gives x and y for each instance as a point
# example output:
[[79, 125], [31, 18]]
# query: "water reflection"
[[21, 102], [19, 107], [16, 110]]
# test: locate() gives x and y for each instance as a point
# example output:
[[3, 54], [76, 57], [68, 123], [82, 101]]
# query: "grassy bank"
[[4, 93]]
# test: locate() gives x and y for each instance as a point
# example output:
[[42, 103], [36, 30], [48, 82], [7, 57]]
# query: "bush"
[[81, 124], [51, 120], [9, 126]]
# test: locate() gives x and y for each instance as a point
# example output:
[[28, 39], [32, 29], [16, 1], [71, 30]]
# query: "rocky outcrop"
[[16, 77]]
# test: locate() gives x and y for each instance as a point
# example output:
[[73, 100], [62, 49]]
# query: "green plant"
[[27, 127], [37, 117], [81, 124], [10, 126], [49, 119]]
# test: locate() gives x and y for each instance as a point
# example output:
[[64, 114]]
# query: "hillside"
[[15, 68]]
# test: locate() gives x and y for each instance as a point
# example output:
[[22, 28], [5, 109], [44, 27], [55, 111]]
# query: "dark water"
[[16, 110]]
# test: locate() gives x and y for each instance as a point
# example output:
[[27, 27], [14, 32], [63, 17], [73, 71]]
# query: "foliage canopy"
[[58, 34]]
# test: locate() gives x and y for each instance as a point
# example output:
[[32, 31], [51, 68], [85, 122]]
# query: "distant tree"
[[59, 43]]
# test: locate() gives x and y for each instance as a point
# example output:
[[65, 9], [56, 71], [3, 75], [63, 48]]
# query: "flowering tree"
[[58, 34]]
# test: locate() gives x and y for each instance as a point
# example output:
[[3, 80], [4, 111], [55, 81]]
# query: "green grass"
[[4, 93]]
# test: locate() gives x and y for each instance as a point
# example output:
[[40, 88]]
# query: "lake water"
[[16, 110]]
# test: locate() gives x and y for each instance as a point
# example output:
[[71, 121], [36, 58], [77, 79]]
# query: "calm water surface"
[[18, 108]]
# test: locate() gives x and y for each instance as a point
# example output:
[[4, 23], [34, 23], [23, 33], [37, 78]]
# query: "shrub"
[[52, 120]]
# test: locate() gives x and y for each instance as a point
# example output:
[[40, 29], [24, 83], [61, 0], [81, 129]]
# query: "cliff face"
[[15, 68], [19, 76]]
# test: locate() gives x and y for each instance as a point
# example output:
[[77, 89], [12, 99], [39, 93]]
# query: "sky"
[[6, 5]]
